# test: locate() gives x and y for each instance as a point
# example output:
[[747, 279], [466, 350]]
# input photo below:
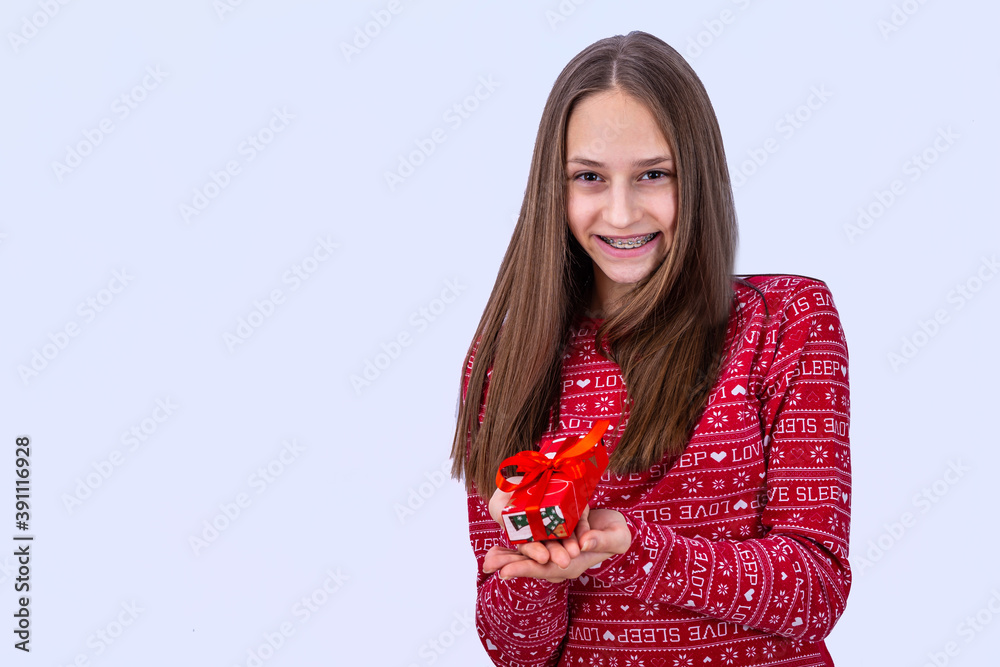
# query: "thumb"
[[592, 540], [499, 500], [607, 540]]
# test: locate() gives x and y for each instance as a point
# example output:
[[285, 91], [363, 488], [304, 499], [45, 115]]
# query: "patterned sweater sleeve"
[[794, 580], [521, 621]]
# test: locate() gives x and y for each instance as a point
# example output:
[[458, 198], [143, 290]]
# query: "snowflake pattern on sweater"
[[739, 546]]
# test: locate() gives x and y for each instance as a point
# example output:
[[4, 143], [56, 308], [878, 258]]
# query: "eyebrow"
[[638, 164]]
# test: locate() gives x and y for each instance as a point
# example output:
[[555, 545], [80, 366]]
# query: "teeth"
[[625, 244]]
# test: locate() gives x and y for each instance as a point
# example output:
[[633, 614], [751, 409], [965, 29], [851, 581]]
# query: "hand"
[[499, 500], [601, 532], [508, 563]]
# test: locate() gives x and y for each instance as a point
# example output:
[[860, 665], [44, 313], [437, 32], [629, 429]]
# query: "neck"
[[604, 295]]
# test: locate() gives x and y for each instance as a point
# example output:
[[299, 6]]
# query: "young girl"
[[719, 534]]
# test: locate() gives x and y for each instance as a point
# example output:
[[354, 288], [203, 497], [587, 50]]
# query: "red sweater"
[[739, 546]]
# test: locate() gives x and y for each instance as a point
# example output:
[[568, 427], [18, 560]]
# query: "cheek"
[[667, 213], [577, 217]]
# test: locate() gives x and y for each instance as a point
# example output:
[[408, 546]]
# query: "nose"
[[622, 208]]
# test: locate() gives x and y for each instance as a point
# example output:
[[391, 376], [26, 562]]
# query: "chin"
[[630, 277]]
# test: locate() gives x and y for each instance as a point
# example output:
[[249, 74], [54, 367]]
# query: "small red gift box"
[[558, 481]]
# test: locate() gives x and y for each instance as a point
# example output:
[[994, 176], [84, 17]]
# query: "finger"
[[614, 540], [528, 568], [496, 554], [608, 532], [582, 526], [558, 553], [597, 540], [498, 561], [550, 571], [572, 545], [592, 541], [497, 549], [499, 500], [536, 551]]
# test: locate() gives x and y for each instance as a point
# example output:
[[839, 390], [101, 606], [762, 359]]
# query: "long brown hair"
[[667, 337]]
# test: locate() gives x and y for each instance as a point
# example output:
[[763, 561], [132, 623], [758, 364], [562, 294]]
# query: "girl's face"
[[622, 192]]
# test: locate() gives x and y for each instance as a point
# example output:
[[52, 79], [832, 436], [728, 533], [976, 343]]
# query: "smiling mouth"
[[630, 242]]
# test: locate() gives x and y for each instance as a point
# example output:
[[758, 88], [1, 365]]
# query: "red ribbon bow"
[[538, 469]]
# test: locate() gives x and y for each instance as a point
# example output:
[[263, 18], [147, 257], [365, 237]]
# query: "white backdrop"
[[200, 248]]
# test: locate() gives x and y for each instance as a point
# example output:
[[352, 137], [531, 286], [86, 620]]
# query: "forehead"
[[611, 122]]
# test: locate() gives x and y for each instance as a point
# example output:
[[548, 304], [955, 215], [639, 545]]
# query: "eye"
[[587, 176], [656, 174]]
